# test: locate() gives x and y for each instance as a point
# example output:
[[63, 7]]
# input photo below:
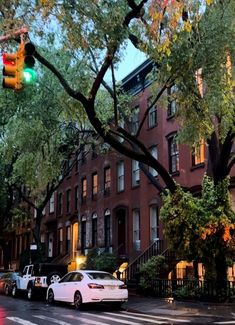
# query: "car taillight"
[[123, 286], [95, 286]]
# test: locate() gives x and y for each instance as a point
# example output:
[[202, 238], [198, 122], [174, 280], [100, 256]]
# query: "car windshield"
[[100, 276]]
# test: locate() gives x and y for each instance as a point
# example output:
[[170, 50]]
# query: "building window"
[[68, 238], [154, 223], [198, 154], [94, 230], [120, 176], [173, 154], [60, 246], [136, 230], [152, 115], [135, 120], [76, 198], [154, 152], [107, 181], [171, 109], [60, 203], [135, 173], [52, 203], [68, 201], [84, 190], [94, 186], [107, 230], [83, 236]]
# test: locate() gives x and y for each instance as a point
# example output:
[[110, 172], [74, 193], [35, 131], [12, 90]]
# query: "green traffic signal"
[[29, 75]]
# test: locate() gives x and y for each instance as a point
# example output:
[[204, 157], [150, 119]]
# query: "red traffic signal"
[[10, 71]]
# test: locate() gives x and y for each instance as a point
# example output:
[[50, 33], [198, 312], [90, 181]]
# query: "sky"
[[133, 58]]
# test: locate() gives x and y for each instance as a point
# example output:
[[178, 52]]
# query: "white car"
[[86, 286]]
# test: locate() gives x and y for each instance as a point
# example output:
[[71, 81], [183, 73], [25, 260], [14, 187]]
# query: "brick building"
[[107, 201]]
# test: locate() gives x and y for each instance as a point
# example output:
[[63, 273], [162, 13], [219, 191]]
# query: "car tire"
[[50, 297], [6, 290], [53, 277], [14, 291], [77, 300], [30, 293]]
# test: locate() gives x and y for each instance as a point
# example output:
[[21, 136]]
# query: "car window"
[[66, 278], [101, 276], [76, 277]]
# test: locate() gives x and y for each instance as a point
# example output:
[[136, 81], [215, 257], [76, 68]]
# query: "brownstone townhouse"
[[107, 201]]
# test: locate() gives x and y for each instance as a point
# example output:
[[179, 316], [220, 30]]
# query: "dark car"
[[7, 282]]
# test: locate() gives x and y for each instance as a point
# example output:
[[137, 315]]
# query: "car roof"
[[90, 271]]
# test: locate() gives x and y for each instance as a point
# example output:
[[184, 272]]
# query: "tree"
[[38, 141], [192, 43]]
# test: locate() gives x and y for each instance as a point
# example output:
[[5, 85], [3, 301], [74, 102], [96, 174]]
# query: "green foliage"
[[201, 228], [100, 261], [151, 270]]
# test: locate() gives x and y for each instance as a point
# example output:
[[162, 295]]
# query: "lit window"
[[84, 190], [94, 186], [198, 154], [107, 180]]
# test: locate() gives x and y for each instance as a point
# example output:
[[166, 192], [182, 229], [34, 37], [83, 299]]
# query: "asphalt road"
[[21, 311]]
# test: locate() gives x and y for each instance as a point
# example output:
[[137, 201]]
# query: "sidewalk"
[[161, 306]]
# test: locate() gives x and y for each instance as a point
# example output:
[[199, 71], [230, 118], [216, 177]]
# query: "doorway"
[[121, 231]]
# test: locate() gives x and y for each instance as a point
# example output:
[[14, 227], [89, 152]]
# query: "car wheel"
[[53, 278], [6, 290], [14, 291], [77, 300], [50, 297], [30, 293]]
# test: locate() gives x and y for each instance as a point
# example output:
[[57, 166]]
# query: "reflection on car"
[[88, 286], [7, 282]]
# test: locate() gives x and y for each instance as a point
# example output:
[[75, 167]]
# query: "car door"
[[72, 285], [60, 288]]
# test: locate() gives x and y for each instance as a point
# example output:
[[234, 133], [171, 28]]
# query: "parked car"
[[7, 282], [85, 286]]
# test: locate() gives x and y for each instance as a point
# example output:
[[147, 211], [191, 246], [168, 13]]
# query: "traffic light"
[[29, 75], [26, 63], [18, 67], [10, 71]]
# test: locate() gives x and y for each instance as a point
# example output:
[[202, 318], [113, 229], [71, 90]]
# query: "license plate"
[[38, 285]]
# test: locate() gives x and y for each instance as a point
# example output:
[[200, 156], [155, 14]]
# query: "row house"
[[107, 202]]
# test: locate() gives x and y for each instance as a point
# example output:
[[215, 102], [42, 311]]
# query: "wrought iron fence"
[[191, 289]]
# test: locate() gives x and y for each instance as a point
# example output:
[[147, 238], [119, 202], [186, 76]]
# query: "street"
[[21, 311]]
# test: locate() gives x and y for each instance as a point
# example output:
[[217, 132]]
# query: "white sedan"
[[84, 286]]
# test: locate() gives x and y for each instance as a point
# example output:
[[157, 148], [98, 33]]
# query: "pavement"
[[171, 307]]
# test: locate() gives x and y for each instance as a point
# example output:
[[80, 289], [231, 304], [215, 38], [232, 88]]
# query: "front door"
[[121, 228]]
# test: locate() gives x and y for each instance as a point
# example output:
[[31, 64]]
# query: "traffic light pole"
[[12, 34]]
